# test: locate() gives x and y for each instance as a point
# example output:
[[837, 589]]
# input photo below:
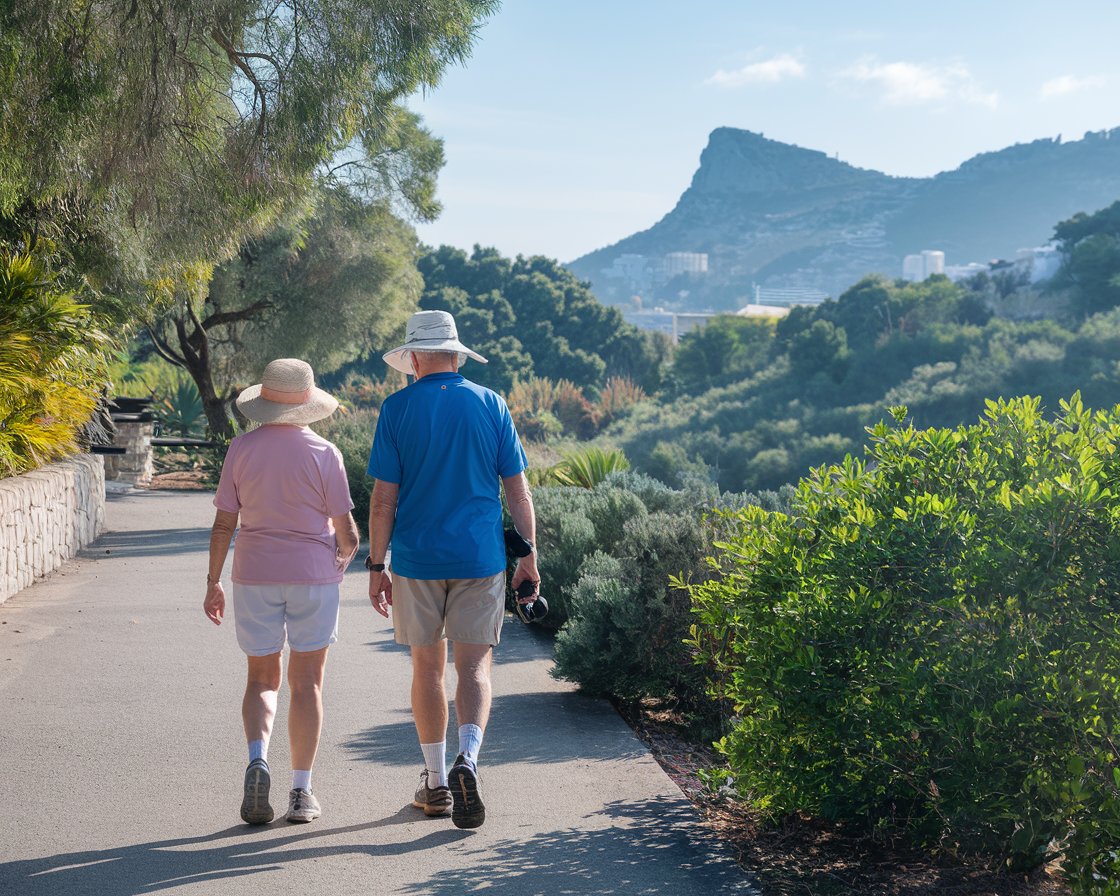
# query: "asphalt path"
[[122, 753]]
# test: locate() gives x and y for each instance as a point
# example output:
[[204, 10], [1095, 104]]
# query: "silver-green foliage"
[[149, 134]]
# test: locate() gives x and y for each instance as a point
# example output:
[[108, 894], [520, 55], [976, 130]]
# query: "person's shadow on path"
[[634, 855], [163, 864]]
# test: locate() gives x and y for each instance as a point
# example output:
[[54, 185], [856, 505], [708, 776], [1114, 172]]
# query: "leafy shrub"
[[928, 645], [352, 434], [618, 395], [566, 537], [359, 391], [627, 628], [542, 408], [52, 366]]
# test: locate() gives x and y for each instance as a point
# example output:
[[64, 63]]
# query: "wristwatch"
[[374, 567]]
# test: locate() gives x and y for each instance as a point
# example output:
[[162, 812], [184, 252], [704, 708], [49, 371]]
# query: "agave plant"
[[180, 411], [588, 467]]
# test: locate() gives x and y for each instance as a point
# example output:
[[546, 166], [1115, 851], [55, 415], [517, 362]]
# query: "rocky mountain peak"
[[739, 161]]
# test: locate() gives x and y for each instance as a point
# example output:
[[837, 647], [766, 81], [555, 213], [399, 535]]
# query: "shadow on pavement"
[[148, 543], [649, 848], [532, 727], [165, 864]]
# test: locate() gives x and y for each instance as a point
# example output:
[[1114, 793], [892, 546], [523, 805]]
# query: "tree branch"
[[164, 350], [237, 59], [233, 317]]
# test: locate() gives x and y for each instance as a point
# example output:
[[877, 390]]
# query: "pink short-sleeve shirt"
[[287, 483]]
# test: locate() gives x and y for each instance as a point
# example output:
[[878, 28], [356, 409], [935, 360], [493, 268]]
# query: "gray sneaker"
[[302, 806], [255, 808], [435, 801]]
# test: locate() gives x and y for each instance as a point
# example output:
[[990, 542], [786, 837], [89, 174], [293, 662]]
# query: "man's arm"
[[520, 503], [382, 516], [221, 534]]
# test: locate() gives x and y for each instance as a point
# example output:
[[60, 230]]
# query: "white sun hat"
[[286, 394], [429, 331]]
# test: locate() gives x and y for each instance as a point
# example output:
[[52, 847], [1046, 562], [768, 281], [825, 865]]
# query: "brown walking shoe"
[[435, 801]]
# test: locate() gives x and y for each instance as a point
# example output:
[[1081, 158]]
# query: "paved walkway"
[[122, 753]]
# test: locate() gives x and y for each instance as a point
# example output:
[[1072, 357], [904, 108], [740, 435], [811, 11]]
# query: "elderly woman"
[[297, 537]]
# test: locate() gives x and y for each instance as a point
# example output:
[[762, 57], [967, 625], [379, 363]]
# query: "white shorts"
[[264, 614]]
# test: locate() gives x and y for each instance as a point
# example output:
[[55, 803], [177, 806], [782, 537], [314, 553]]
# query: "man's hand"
[[381, 591], [527, 571], [214, 606]]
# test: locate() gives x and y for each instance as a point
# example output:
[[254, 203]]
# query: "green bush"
[[928, 645], [627, 628], [52, 364], [352, 434]]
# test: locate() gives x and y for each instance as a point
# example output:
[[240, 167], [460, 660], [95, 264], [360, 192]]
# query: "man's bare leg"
[[473, 692], [429, 695], [472, 707]]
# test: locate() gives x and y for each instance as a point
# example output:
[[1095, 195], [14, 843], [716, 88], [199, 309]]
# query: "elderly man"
[[442, 445]]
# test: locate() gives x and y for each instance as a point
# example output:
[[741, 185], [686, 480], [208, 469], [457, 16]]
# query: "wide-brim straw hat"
[[429, 331], [286, 394]]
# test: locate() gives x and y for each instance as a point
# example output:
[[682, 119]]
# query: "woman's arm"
[[221, 534], [346, 534]]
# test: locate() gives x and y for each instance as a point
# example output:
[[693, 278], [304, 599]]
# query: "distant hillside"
[[778, 216]]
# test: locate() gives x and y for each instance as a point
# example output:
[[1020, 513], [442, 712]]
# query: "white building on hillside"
[[924, 265], [1043, 262], [784, 298], [685, 263]]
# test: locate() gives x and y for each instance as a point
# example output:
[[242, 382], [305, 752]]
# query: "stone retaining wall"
[[46, 517]]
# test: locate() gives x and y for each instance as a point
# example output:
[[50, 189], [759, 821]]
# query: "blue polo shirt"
[[447, 443]]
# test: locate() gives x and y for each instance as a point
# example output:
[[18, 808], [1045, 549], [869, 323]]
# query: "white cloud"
[[912, 84], [1067, 84], [770, 71]]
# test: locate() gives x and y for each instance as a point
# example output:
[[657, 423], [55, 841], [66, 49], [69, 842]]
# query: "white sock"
[[470, 741], [435, 761], [301, 780], [258, 749]]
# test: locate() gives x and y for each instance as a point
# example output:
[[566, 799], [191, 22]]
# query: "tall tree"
[[1090, 246], [533, 317], [145, 137], [326, 285]]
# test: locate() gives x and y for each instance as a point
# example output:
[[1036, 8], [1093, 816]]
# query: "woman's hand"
[[343, 559], [214, 606]]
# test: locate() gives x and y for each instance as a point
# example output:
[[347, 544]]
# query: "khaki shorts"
[[469, 611]]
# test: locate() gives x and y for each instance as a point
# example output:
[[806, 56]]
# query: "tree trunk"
[[193, 355], [218, 418]]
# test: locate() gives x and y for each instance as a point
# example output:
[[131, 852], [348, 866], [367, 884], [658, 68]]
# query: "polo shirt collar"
[[445, 377]]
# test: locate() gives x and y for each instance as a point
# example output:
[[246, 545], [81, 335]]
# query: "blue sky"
[[578, 122]]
